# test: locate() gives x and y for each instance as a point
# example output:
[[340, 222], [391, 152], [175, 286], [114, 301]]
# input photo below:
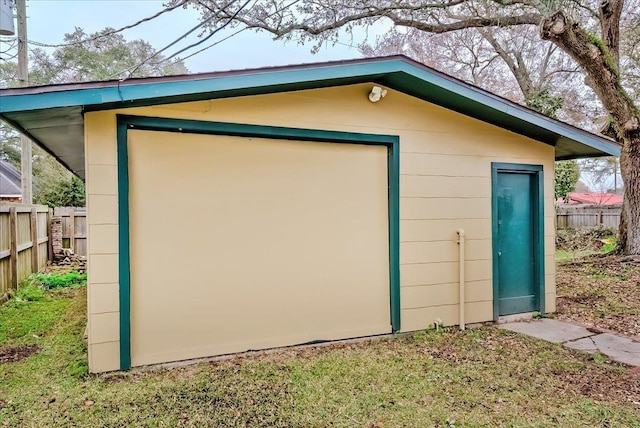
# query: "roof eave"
[[399, 73]]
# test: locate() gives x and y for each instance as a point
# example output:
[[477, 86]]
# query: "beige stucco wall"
[[445, 185]]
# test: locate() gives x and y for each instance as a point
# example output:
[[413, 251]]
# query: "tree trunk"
[[629, 235], [610, 12], [594, 57]]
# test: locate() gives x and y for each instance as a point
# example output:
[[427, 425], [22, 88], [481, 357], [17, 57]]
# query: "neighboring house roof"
[[53, 115], [9, 181], [593, 198]]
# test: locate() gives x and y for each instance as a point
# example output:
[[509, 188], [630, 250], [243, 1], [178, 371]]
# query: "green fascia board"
[[126, 122], [397, 73], [126, 94]]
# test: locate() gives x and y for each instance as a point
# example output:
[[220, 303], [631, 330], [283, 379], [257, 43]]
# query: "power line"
[[9, 48], [211, 45], [134, 68], [211, 34], [231, 35], [247, 28], [8, 59], [110, 33]]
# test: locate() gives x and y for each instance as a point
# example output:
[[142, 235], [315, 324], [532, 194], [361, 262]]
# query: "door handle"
[[499, 253]]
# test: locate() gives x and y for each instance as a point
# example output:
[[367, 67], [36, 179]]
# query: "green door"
[[517, 252]]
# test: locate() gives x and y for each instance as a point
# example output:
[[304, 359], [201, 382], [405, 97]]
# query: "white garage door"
[[241, 243]]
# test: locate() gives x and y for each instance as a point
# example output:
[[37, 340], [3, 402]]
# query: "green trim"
[[393, 164], [124, 273], [256, 131], [538, 206], [392, 143]]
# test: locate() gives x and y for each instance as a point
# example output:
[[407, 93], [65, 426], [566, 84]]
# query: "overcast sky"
[[49, 20]]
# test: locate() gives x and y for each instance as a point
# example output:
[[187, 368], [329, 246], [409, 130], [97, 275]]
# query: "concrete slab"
[[620, 349], [507, 319], [549, 330], [585, 344]]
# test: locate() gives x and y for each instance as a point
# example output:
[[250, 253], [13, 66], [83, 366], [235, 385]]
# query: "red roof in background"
[[593, 198]]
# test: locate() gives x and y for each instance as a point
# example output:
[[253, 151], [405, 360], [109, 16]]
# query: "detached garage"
[[263, 208]]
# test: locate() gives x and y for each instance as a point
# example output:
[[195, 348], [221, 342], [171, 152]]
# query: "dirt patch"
[[601, 292], [17, 353], [601, 385]]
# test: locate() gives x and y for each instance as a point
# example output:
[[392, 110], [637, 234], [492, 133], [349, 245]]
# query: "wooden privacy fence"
[[74, 228], [587, 217], [24, 243]]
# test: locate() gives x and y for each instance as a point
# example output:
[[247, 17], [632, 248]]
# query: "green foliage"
[[565, 178], [69, 192], [602, 47], [30, 293], [9, 146], [545, 103], [609, 244], [99, 56], [60, 280]]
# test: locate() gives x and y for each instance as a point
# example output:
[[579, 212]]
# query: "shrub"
[[58, 280]]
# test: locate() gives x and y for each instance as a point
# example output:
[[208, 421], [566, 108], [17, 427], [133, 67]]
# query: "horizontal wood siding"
[[445, 185]]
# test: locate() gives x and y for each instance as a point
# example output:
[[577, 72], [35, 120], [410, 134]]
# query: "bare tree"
[[511, 62], [588, 31]]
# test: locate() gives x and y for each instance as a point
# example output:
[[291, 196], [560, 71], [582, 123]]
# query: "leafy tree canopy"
[[103, 55], [565, 178]]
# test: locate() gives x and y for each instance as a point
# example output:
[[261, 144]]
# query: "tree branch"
[[479, 22], [610, 12], [520, 73], [594, 57]]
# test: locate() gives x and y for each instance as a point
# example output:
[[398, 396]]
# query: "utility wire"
[[229, 36], [211, 45], [217, 30], [109, 33], [134, 68], [11, 46], [247, 28], [8, 59]]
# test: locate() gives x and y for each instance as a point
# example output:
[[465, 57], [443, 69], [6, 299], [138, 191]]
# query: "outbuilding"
[[263, 208]]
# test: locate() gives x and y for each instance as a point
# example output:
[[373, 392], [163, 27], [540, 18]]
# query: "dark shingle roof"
[[9, 180]]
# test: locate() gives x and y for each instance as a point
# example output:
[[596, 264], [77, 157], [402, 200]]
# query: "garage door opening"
[[241, 243]]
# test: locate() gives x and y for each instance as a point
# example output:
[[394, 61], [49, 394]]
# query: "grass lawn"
[[480, 377]]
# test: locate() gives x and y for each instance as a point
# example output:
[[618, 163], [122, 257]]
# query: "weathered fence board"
[[587, 217], [23, 243], [74, 228]]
